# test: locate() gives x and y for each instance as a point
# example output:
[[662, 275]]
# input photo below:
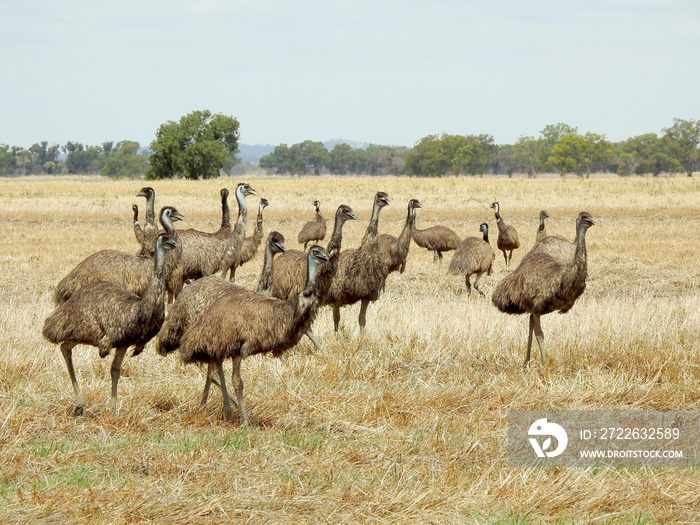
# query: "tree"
[[600, 151], [278, 161], [471, 157], [195, 147], [309, 157], [685, 137], [570, 154], [43, 158], [433, 155], [528, 154], [647, 153], [124, 161], [385, 160], [81, 159]]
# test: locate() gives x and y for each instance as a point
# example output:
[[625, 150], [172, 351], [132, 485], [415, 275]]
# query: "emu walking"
[[507, 236], [107, 316], [129, 271], [196, 299], [313, 230], [541, 284], [436, 239], [473, 256], [241, 323]]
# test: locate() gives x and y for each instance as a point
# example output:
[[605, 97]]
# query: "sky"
[[384, 72]]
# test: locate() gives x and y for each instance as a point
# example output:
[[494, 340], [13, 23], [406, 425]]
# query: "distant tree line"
[[203, 144]]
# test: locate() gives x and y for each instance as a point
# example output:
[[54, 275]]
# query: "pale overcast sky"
[[386, 72]]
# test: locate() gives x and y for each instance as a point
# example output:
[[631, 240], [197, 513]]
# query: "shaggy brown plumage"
[[208, 253], [395, 250], [541, 284], [361, 273], [148, 233], [473, 256], [507, 236], [560, 248], [313, 231], [542, 230], [241, 323], [129, 271], [436, 239], [250, 243], [107, 316]]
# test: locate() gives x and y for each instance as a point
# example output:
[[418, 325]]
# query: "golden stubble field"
[[410, 429]]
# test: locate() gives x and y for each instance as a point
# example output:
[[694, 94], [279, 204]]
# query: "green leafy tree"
[[279, 161], [647, 153], [309, 157], [195, 147], [433, 155], [124, 161], [685, 137], [599, 151], [471, 157], [505, 160], [7, 160], [551, 135], [570, 154], [386, 160], [340, 159], [43, 158], [528, 154], [81, 159]]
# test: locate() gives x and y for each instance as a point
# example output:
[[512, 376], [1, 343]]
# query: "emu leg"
[[435, 256], [232, 278], [476, 284], [119, 354], [540, 337], [505, 257], [227, 406], [469, 285], [211, 379], [238, 386], [310, 335], [336, 317], [78, 403], [362, 320], [529, 339]]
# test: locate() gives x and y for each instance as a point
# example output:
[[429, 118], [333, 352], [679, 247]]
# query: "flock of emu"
[[114, 299]]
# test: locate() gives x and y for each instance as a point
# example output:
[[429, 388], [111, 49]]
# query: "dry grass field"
[[410, 429]]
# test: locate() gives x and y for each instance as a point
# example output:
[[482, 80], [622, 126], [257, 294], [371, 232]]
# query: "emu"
[[541, 284], [313, 230], [241, 323], [107, 316], [473, 256], [507, 236]]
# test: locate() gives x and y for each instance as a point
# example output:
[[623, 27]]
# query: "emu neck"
[[319, 218], [265, 281], [153, 299], [486, 236], [336, 237], [371, 235], [150, 211], [225, 212], [404, 240]]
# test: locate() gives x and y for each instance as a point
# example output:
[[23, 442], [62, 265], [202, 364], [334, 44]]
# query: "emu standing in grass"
[[196, 298], [395, 250], [250, 244], [473, 256], [542, 230], [361, 273], [207, 253], [147, 234], [436, 239], [131, 272], [313, 230], [507, 236], [241, 323], [107, 316], [541, 284]]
